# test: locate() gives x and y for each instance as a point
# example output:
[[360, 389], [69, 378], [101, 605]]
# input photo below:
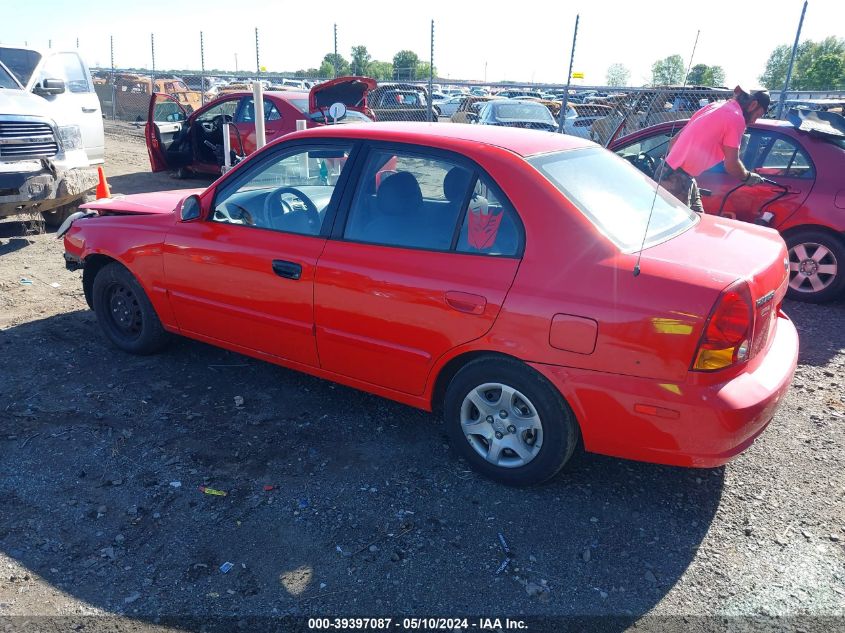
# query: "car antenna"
[[663, 164]]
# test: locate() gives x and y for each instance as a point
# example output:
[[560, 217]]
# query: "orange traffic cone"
[[102, 186]]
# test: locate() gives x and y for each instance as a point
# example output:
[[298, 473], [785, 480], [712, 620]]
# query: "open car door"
[[166, 133]]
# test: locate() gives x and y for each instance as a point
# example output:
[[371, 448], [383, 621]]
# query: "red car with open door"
[[194, 143], [486, 272], [807, 206]]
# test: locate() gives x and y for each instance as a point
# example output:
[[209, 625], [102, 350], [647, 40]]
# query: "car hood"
[[351, 91], [158, 202], [21, 102]]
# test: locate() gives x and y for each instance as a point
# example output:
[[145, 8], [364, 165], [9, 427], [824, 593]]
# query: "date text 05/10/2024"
[[417, 624]]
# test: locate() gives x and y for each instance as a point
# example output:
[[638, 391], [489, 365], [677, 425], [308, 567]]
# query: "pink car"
[[807, 206]]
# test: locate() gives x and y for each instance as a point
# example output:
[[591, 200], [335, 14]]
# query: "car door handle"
[[466, 302], [288, 270], [88, 110]]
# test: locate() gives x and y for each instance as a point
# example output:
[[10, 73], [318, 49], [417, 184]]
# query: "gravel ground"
[[341, 503]]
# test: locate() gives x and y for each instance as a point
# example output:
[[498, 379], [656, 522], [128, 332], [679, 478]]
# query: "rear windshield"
[[21, 62], [615, 196], [523, 112]]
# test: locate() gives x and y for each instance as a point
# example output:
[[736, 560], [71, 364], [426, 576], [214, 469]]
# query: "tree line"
[[405, 66], [818, 66]]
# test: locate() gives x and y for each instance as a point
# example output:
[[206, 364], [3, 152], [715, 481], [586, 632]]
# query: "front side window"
[[646, 153], [616, 198], [290, 192], [67, 66], [227, 108]]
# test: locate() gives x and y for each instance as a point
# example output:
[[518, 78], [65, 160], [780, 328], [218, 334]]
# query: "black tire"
[[812, 251], [559, 430], [124, 312]]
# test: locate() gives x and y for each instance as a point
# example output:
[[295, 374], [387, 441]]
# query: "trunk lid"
[[732, 250], [351, 91]]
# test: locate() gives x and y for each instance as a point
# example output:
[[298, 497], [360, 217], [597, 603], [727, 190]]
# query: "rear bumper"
[[695, 423]]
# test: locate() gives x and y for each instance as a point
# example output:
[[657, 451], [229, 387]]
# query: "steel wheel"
[[816, 266], [124, 310], [501, 425]]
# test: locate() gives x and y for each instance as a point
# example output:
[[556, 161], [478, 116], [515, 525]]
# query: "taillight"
[[728, 332]]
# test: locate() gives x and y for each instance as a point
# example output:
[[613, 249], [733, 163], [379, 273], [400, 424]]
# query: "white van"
[[73, 103]]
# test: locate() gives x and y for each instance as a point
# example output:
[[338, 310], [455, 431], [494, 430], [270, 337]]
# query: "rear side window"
[[616, 197], [415, 201], [774, 155]]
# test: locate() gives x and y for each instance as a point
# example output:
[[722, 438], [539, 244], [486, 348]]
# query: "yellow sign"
[[264, 69], [577, 75]]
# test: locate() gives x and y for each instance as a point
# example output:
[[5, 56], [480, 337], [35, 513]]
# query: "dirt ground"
[[102, 455]]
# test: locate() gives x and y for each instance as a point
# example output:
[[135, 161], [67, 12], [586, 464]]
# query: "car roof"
[[453, 136]]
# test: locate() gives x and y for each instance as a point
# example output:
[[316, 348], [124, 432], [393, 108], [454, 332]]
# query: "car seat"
[[397, 214]]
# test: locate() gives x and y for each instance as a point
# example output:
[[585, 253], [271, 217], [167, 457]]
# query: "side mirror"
[[191, 208], [50, 87]]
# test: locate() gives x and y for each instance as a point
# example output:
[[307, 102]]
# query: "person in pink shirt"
[[713, 135]]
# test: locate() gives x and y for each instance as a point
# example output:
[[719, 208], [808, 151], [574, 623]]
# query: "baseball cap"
[[762, 97]]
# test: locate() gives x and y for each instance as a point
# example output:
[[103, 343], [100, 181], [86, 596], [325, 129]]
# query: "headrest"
[[399, 194], [455, 184]]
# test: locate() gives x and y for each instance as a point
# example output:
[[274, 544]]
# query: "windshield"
[[523, 112], [22, 63], [7, 80], [299, 104], [615, 197]]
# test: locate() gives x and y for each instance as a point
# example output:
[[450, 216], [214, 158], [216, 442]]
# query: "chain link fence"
[[595, 113]]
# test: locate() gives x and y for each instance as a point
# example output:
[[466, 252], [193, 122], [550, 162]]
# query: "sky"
[[526, 41]]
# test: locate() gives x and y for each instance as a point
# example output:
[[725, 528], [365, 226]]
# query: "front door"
[[168, 143], [413, 272], [244, 275]]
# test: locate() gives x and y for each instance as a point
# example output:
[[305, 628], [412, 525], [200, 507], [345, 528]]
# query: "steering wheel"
[[644, 163], [222, 214], [272, 215], [216, 123]]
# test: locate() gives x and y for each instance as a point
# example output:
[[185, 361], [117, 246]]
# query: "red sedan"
[[480, 271], [194, 144], [807, 206]]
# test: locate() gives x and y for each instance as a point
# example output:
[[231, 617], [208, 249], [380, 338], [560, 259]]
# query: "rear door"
[[777, 157], [164, 131], [412, 273], [274, 124]]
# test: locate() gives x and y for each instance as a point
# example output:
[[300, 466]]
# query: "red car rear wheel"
[[508, 422]]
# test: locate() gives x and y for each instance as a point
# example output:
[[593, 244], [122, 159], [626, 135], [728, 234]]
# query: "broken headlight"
[[71, 137]]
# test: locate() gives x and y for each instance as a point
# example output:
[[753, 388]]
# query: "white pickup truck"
[[51, 132]]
